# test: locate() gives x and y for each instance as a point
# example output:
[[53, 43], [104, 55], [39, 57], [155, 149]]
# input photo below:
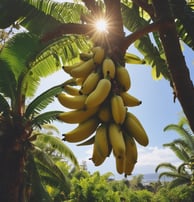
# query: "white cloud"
[[150, 157]]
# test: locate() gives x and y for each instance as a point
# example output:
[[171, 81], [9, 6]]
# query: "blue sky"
[[156, 111]]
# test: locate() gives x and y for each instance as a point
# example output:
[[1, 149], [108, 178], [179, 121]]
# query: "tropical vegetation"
[[48, 35], [184, 150]]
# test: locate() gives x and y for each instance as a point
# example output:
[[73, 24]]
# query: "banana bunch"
[[98, 104]]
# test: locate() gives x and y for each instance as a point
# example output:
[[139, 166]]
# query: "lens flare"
[[101, 25]]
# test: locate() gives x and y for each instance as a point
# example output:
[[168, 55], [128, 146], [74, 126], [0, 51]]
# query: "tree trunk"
[[11, 176], [182, 84]]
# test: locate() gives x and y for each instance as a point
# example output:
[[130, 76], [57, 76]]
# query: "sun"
[[101, 25]]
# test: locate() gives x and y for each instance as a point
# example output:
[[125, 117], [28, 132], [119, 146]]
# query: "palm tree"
[[54, 162], [184, 150], [23, 61]]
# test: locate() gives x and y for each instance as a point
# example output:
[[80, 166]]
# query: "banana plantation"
[[89, 41]]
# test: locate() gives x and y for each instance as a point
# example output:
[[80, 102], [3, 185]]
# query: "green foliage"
[[92, 188], [54, 160], [42, 101], [183, 12], [19, 50], [7, 81], [182, 193], [133, 21], [184, 150]]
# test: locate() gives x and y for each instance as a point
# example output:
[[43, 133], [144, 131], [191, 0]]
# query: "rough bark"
[[11, 176], [182, 84]]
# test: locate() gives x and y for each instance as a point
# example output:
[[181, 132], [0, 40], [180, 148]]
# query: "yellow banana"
[[85, 56], [98, 54], [104, 113], [135, 129], [118, 109], [133, 59], [129, 100], [82, 131], [69, 68], [71, 90], [77, 116], [116, 140], [97, 158], [119, 164], [99, 94], [123, 78], [130, 155], [84, 69], [90, 83], [72, 102], [101, 140], [87, 142], [108, 68], [79, 81]]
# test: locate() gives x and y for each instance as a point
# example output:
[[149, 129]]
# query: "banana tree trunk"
[[11, 175]]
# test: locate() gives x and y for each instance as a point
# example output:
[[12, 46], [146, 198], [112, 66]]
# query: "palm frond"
[[181, 168], [45, 118], [7, 80], [133, 21], [48, 169], [64, 50], [49, 15], [184, 19], [49, 177], [187, 39], [58, 146], [66, 12], [172, 175], [166, 165], [183, 121], [178, 181], [183, 146], [19, 50], [179, 150], [42, 101], [4, 106], [183, 132], [33, 178], [56, 183], [50, 59]]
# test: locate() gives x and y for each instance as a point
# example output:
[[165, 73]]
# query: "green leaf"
[[155, 74], [58, 145], [18, 51], [179, 181], [50, 59], [42, 101], [182, 132], [50, 173], [38, 194], [166, 165], [49, 15], [8, 83], [4, 106], [45, 118], [184, 15], [133, 21]]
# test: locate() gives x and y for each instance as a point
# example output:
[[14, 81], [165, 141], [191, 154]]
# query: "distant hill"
[[153, 177]]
